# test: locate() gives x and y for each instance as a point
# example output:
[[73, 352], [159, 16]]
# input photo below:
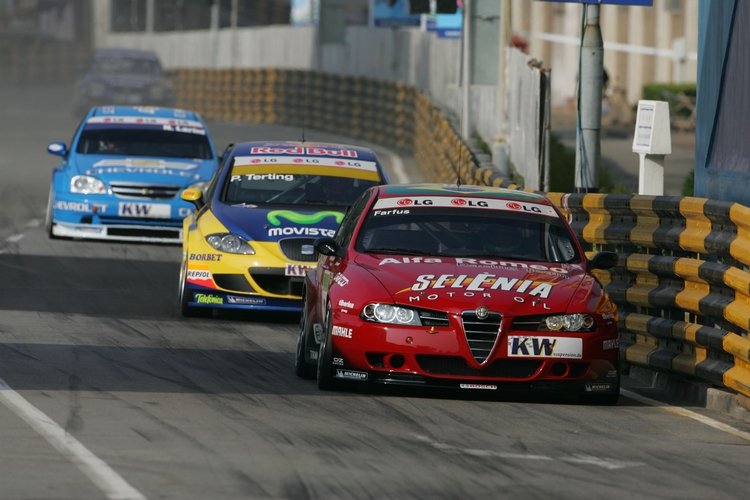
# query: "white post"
[[651, 174], [466, 72], [652, 141]]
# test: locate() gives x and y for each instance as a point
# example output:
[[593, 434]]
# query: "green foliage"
[[689, 184], [680, 96], [563, 168]]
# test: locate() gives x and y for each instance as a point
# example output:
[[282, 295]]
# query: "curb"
[[694, 393]]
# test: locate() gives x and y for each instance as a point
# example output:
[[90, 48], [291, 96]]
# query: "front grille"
[[433, 318], [457, 366], [144, 232], [481, 334], [233, 282], [274, 281], [292, 249], [144, 191], [528, 323], [133, 221]]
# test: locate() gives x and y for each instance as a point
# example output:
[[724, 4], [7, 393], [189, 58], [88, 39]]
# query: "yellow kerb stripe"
[[351, 173]]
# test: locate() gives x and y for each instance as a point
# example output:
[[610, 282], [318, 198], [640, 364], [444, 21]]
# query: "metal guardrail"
[[682, 288]]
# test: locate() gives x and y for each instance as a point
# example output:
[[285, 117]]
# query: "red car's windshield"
[[463, 232]]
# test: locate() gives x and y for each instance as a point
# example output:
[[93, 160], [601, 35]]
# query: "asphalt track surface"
[[105, 392]]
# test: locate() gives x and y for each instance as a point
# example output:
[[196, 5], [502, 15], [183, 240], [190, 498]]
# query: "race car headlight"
[[387, 313], [230, 243], [85, 184], [577, 322], [202, 185]]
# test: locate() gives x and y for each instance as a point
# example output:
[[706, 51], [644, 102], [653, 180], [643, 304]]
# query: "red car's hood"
[[459, 284]]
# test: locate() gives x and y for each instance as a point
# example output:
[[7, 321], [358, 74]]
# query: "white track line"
[[101, 474], [576, 459], [14, 238], [682, 412]]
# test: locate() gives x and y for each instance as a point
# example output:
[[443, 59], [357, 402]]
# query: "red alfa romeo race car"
[[469, 287]]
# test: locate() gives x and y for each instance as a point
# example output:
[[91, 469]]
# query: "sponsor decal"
[[262, 177], [338, 361], [351, 374], [299, 150], [300, 231], [147, 210], [207, 298], [170, 124], [545, 347], [184, 212], [341, 331], [198, 274], [483, 282], [297, 269], [411, 260], [247, 301], [201, 276], [304, 161], [611, 344], [313, 355], [598, 387], [379, 213], [145, 164], [341, 280], [76, 206], [472, 262], [275, 216], [346, 304], [464, 202], [205, 257], [485, 387], [183, 130]]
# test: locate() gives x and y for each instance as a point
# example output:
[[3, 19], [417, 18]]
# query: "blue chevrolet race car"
[[122, 176]]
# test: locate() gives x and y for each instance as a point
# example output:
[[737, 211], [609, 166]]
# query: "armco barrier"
[[681, 287]]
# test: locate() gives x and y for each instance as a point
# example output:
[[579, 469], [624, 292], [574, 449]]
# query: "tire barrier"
[[392, 114], [38, 61], [681, 287]]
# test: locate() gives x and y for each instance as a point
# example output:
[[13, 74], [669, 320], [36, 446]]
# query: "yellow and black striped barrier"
[[389, 113], [681, 286]]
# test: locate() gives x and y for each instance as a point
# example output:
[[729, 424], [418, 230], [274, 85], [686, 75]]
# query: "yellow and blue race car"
[[250, 241]]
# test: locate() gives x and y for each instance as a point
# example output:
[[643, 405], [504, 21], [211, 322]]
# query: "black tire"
[[48, 223], [324, 372], [183, 298], [302, 368]]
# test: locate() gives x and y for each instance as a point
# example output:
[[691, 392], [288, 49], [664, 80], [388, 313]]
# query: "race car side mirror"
[[604, 260], [328, 246], [194, 196], [58, 149]]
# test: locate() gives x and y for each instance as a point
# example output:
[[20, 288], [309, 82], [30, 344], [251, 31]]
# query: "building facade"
[[642, 45]]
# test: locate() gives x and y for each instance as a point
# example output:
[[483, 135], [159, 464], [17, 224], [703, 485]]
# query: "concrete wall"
[[418, 58]]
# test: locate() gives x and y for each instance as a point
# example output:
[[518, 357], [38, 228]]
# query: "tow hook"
[[318, 332]]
